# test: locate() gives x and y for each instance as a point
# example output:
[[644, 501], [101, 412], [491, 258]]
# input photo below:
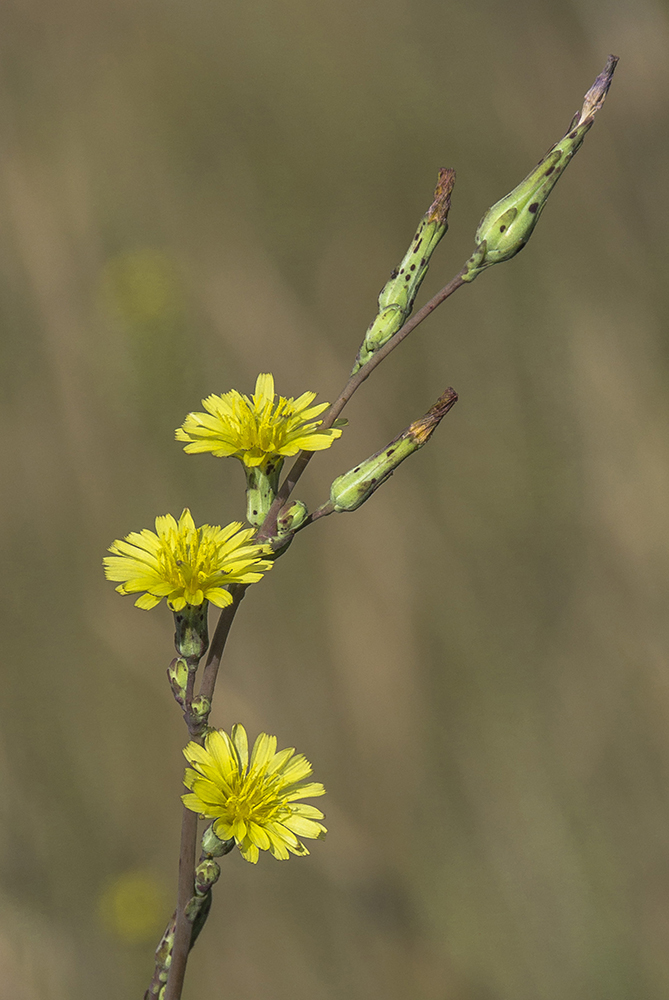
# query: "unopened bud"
[[200, 707], [399, 293], [507, 226], [291, 517], [206, 875], [177, 674], [350, 491]]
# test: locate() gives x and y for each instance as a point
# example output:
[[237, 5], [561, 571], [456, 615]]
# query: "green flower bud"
[[177, 674], [507, 226], [350, 491], [291, 517], [200, 707], [191, 637], [213, 845], [399, 293], [206, 875]]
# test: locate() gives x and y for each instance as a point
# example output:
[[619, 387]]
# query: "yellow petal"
[[263, 751], [241, 742], [264, 392]]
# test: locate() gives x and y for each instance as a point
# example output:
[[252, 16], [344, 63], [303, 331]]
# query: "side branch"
[[268, 528]]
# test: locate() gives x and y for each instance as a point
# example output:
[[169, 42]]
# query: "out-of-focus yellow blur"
[[476, 662]]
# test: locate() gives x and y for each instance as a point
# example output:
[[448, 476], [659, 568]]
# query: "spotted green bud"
[[350, 491], [507, 226], [177, 674], [291, 517], [399, 293], [206, 875], [200, 707], [213, 846], [191, 636]]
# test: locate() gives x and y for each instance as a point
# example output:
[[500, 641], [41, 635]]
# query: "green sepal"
[[191, 636], [200, 707], [262, 485], [177, 674], [291, 517], [206, 875], [213, 846]]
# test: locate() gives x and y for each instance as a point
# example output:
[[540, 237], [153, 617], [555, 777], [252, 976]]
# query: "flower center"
[[255, 799]]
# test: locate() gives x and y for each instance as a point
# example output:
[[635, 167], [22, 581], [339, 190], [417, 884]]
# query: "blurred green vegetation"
[[477, 661]]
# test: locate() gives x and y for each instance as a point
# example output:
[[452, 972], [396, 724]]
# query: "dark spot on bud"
[[413, 267], [255, 512], [357, 469], [573, 135], [422, 262], [391, 451], [534, 206], [502, 228], [372, 481], [407, 277], [549, 171], [393, 274]]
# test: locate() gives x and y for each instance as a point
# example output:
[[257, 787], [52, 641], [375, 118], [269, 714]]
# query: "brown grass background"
[[475, 662]]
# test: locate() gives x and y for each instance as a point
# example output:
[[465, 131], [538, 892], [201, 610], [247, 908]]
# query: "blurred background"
[[476, 662]]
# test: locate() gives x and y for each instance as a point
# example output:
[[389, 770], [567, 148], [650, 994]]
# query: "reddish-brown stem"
[[187, 850], [219, 640], [182, 934]]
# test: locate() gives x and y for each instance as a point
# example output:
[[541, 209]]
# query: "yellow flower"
[[254, 429], [185, 564], [253, 801]]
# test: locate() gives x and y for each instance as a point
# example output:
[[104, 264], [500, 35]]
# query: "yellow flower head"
[[185, 564], [253, 428], [253, 801]]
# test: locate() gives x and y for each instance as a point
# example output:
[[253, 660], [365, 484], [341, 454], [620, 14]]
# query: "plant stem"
[[223, 627], [182, 937], [182, 934], [187, 850], [301, 462]]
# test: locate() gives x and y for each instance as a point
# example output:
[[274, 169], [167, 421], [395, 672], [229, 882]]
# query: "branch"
[[268, 528]]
